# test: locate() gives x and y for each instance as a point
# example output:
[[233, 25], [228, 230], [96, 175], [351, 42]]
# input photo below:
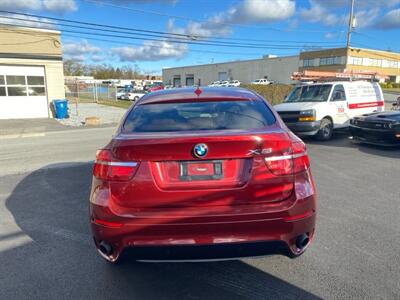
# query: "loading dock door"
[[23, 92], [222, 76]]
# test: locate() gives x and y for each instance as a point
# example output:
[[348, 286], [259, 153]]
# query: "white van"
[[319, 108]]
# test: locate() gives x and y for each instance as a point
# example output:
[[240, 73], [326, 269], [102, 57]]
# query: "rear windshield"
[[190, 116]]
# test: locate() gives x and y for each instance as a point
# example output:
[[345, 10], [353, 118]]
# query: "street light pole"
[[350, 28]]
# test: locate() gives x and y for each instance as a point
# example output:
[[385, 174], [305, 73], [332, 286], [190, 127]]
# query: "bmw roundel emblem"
[[200, 150]]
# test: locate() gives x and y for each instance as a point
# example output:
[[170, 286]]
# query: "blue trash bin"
[[61, 108]]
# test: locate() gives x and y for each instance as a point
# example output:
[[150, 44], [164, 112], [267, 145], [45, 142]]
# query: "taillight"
[[280, 164], [301, 161], [289, 162], [107, 168]]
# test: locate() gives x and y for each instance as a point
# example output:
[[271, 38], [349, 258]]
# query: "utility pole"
[[351, 24]]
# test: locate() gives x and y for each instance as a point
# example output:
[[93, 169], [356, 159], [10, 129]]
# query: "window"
[[375, 62], [36, 86], [35, 80], [15, 80], [358, 61], [334, 60], [310, 93], [16, 85], [2, 86], [392, 64], [338, 93], [308, 62], [189, 116], [20, 85], [36, 91], [16, 90]]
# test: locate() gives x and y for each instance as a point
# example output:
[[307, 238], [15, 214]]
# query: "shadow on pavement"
[[50, 206]]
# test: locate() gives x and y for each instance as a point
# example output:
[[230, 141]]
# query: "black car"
[[380, 128]]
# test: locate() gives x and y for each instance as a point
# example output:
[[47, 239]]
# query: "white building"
[[278, 69]]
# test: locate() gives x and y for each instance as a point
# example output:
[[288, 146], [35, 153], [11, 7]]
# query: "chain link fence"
[[90, 92]]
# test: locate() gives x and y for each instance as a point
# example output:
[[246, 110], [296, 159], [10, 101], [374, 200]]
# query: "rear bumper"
[[208, 252], [207, 237], [381, 137], [304, 128]]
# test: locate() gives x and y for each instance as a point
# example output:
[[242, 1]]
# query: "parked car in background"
[[120, 93], [153, 87], [380, 128], [224, 83], [261, 81], [168, 86], [317, 109], [132, 95], [215, 83], [202, 173], [234, 83]]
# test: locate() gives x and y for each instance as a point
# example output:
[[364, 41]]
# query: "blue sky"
[[283, 27]]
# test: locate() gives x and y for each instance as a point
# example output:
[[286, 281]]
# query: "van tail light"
[[289, 162], [107, 168]]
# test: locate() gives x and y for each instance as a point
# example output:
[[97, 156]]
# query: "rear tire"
[[136, 98], [325, 130]]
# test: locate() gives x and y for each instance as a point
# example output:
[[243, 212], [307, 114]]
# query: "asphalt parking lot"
[[46, 251]]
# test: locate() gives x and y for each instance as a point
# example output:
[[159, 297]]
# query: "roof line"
[[230, 62]]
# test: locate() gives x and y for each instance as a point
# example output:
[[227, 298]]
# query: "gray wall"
[[278, 69]]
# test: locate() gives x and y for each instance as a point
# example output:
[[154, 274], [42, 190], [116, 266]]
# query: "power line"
[[159, 47], [169, 40], [166, 34], [132, 34], [129, 44]]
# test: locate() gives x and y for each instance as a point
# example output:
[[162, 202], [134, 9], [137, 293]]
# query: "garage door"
[[22, 92]]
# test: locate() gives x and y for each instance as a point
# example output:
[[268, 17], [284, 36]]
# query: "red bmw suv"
[[209, 173]]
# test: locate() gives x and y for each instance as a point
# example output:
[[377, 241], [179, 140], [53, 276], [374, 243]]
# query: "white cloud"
[[330, 35], [365, 18], [59, 5], [261, 11], [36, 5], [391, 20], [150, 51], [27, 21], [97, 58], [318, 13], [144, 1], [364, 4], [20, 4], [80, 51], [246, 12]]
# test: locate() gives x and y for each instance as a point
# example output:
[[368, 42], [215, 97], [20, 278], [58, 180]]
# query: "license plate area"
[[200, 170]]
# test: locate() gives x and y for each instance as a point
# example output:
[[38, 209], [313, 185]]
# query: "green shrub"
[[273, 93], [389, 85]]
